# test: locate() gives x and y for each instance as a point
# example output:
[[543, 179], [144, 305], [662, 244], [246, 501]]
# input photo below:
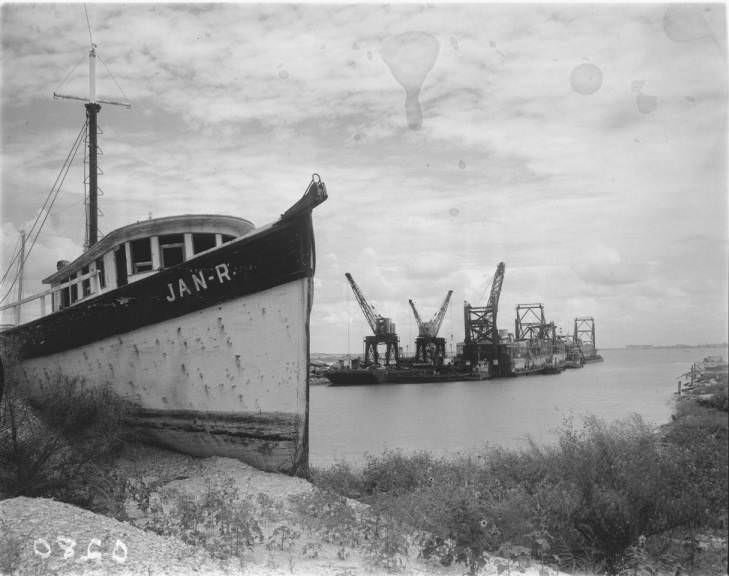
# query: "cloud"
[[593, 204]]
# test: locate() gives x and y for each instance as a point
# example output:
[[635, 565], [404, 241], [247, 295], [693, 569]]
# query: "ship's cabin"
[[139, 250]]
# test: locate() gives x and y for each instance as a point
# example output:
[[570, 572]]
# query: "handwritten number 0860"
[[42, 548]]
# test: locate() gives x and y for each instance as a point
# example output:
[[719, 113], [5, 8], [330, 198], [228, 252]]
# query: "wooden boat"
[[201, 321]]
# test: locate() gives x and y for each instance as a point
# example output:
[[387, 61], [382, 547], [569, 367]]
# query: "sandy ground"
[[43, 537]]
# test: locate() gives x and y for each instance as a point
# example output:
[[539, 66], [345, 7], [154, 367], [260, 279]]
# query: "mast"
[[92, 110], [93, 107]]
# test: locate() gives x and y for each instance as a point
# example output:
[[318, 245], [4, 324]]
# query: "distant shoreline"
[[668, 346], [723, 345]]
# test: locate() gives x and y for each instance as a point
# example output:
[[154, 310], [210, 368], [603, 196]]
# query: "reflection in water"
[[410, 56], [586, 79]]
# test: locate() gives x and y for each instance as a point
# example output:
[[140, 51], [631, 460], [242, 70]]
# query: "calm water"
[[461, 417]]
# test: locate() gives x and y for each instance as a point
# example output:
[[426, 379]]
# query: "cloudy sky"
[[584, 145]]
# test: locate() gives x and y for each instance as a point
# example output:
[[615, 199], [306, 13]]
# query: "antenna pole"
[[92, 74]]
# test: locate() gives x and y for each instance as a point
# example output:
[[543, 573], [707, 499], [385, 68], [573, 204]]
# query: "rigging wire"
[[67, 169], [113, 78], [71, 72], [12, 262], [43, 207], [50, 200], [482, 298], [56, 186]]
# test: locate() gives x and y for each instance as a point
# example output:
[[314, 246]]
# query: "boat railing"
[[40, 297]]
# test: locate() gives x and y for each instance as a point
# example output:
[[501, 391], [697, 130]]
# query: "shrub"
[[395, 473], [717, 397], [583, 503], [341, 478], [55, 447]]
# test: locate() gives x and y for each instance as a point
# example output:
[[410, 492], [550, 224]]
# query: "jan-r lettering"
[[222, 270], [197, 283]]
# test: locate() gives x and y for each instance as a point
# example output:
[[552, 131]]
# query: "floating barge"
[[397, 375], [534, 348]]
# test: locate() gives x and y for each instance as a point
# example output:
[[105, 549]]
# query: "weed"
[[218, 520], [386, 544], [282, 538], [328, 515]]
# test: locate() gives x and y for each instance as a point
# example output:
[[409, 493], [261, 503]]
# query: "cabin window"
[[227, 238], [73, 288], [171, 249], [65, 294], [101, 275], [202, 242], [141, 255], [120, 261], [85, 284]]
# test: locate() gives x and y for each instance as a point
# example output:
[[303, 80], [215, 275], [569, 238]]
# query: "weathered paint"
[[228, 380]]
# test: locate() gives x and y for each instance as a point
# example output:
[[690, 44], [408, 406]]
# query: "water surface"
[[346, 423]]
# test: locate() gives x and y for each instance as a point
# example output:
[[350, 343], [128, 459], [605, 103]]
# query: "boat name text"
[[197, 283]]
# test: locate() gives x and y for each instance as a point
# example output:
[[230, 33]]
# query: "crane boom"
[[493, 302], [367, 309], [417, 317], [430, 328], [438, 319]]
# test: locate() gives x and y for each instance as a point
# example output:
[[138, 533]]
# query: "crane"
[[531, 324], [428, 347], [584, 337], [482, 342], [383, 331], [480, 321]]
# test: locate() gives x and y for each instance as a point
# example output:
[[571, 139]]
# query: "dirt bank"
[[217, 516]]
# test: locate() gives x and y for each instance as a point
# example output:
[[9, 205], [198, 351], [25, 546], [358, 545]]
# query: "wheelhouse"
[[139, 250]]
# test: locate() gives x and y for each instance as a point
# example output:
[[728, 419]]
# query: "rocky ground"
[[235, 519]]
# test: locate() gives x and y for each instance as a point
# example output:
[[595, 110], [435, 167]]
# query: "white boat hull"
[[219, 370]]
